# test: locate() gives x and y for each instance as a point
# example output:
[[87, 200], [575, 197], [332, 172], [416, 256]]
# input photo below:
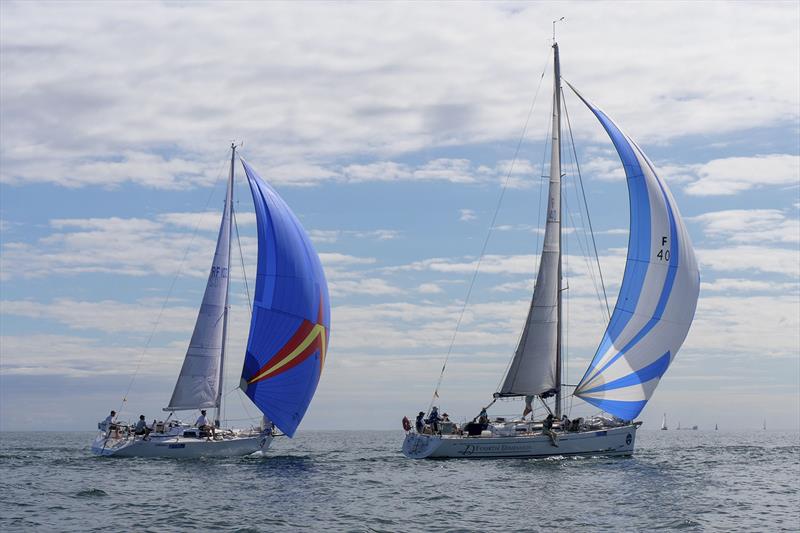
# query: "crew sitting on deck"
[[204, 427], [483, 417], [141, 428], [108, 424], [547, 429], [420, 422], [434, 420]]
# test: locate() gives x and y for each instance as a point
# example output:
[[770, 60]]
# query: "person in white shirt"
[[203, 425], [108, 424]]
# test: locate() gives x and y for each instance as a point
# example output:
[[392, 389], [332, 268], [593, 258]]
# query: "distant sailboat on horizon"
[[664, 423]]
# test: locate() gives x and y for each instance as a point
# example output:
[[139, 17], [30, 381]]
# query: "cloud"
[[335, 259], [206, 221], [30, 165], [765, 325], [750, 226], [108, 316], [750, 258], [733, 175], [138, 247], [358, 82], [71, 356], [120, 246], [467, 215], [606, 168], [429, 288], [442, 169], [739, 285], [490, 264], [331, 236], [368, 286]]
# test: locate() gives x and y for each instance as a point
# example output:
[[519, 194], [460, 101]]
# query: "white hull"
[[180, 447], [611, 441]]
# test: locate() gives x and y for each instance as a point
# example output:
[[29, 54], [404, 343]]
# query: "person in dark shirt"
[[434, 420], [141, 428], [420, 422]]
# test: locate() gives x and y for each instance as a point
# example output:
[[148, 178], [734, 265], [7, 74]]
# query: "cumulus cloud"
[[747, 258], [733, 175], [751, 226], [138, 105], [466, 215]]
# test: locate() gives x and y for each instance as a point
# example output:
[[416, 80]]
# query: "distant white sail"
[[658, 296], [198, 382]]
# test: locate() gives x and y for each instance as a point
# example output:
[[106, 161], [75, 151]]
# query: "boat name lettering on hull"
[[470, 449]]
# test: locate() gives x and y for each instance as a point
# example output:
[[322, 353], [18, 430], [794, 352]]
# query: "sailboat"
[[664, 423], [650, 321], [288, 339]]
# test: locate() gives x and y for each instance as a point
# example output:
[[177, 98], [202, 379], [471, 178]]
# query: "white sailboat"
[[664, 423], [651, 319], [286, 347]]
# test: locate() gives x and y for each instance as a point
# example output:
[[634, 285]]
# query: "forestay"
[[198, 382], [658, 296], [290, 324]]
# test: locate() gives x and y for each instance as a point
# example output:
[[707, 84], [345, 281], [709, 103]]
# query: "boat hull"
[[180, 447], [610, 441]]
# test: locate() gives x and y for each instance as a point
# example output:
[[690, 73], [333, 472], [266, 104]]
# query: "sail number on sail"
[[663, 253]]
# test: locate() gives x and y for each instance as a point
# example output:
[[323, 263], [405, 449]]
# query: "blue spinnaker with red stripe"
[[659, 291], [290, 325]]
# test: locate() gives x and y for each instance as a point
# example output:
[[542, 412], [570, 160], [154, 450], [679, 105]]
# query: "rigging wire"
[[586, 206], [169, 294], [249, 309], [241, 258], [488, 235]]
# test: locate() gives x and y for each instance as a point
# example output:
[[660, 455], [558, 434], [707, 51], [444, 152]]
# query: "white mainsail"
[[534, 369], [198, 384]]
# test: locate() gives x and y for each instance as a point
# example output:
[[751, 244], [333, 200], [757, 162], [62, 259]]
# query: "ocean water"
[[359, 481]]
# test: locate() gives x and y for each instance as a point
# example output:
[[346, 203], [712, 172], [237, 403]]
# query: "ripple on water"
[[91, 493], [674, 482]]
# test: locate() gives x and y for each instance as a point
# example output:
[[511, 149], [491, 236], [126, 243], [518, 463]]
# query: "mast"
[[555, 181], [229, 209], [535, 369]]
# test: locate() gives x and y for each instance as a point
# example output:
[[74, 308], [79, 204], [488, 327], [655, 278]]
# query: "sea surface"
[[359, 481]]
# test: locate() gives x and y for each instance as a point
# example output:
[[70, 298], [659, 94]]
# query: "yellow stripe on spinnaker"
[[312, 335]]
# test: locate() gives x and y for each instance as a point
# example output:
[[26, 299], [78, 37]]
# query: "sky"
[[392, 130]]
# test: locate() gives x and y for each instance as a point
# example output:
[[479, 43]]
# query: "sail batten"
[[659, 290]]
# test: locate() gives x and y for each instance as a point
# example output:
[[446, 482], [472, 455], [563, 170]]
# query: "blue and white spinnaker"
[[659, 292]]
